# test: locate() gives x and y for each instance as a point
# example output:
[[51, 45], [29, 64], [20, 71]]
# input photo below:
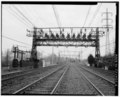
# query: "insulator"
[[57, 36], [68, 36], [81, 31], [73, 36], [28, 30], [103, 32], [84, 36], [50, 30], [91, 30], [63, 36], [89, 36], [71, 30], [85, 29], [52, 35], [78, 36], [60, 31], [63, 29], [41, 31], [46, 35]]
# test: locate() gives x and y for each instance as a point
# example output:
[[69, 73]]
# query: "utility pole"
[[79, 56], [15, 52], [107, 19], [52, 54]]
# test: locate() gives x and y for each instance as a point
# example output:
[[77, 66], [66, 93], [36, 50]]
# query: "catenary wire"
[[15, 40], [95, 14]]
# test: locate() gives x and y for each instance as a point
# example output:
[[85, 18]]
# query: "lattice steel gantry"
[[66, 36]]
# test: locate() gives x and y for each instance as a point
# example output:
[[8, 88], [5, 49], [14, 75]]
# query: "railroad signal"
[[71, 39]]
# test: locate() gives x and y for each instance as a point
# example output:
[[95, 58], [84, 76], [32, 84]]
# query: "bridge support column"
[[97, 48], [34, 50]]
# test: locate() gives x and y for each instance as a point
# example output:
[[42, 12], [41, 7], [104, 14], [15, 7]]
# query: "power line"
[[11, 11], [87, 15], [104, 45], [18, 14], [39, 18], [15, 40], [56, 15], [95, 14], [23, 15]]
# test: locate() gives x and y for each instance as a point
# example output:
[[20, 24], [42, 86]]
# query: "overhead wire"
[[23, 9], [11, 11], [15, 40], [19, 15], [23, 15], [87, 16], [56, 16], [40, 18], [104, 46], [95, 14]]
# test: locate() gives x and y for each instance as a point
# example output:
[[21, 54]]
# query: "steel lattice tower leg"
[[34, 50], [97, 48]]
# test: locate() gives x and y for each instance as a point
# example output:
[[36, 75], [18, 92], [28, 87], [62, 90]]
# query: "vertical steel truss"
[[97, 48], [34, 48]]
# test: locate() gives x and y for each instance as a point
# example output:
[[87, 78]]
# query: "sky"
[[15, 26]]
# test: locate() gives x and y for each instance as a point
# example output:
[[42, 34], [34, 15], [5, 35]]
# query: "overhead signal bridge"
[[66, 36]]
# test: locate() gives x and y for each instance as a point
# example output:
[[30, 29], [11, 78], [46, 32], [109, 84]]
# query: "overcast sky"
[[14, 25]]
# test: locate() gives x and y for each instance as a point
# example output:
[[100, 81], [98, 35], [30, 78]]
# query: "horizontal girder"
[[66, 40], [65, 43]]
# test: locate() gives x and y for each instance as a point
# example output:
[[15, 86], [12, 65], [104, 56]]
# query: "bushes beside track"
[[104, 62]]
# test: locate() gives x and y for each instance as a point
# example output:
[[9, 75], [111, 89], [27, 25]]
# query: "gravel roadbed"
[[74, 83]]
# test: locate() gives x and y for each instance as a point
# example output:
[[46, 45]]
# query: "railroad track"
[[111, 82], [8, 86], [46, 84], [14, 75], [100, 83], [8, 77]]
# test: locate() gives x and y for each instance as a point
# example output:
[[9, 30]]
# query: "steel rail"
[[41, 78], [99, 76], [5, 79], [98, 90], [57, 84]]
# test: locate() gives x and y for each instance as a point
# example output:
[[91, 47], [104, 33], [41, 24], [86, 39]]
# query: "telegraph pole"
[[52, 54], [107, 19]]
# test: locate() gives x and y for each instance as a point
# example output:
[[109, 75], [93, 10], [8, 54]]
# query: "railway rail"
[[102, 85], [15, 74], [98, 75], [39, 86], [12, 84]]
